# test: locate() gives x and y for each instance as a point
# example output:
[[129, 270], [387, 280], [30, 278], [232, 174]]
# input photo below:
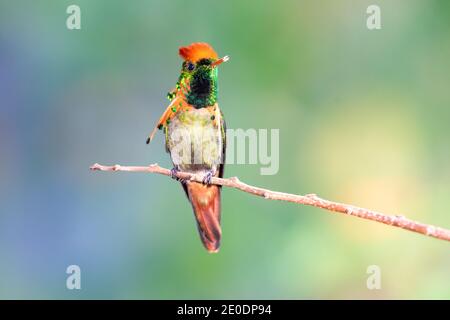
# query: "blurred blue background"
[[363, 117]]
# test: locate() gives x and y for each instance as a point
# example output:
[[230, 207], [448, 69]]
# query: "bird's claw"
[[207, 179], [173, 174]]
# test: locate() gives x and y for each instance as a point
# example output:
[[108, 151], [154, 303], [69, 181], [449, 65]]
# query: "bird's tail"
[[205, 200]]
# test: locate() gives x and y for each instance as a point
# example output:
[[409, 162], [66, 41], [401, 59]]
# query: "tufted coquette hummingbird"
[[194, 130]]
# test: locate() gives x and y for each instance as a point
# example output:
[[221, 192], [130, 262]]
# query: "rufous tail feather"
[[205, 200]]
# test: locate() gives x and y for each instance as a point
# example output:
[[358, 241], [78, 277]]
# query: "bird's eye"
[[190, 66]]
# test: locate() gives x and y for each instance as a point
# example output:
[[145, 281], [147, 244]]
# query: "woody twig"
[[309, 199]]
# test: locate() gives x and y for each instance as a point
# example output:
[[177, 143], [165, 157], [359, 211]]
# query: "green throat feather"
[[203, 84]]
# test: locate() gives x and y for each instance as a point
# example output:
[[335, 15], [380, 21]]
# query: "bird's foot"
[[173, 174], [207, 179]]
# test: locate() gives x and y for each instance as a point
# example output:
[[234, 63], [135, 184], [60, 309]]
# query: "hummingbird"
[[194, 129]]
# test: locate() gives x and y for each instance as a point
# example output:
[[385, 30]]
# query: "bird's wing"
[[162, 121], [223, 128]]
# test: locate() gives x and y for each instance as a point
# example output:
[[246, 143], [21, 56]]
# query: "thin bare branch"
[[309, 199]]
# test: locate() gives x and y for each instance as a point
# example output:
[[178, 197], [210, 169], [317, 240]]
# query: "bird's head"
[[199, 74]]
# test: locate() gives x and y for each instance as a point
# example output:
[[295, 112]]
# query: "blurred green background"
[[363, 115]]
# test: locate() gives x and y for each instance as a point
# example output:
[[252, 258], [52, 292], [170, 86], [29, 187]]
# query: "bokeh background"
[[363, 115]]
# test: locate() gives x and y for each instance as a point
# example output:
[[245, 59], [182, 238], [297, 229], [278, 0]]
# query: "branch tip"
[[94, 167]]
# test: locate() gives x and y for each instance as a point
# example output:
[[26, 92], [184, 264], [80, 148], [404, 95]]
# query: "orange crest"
[[197, 51]]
